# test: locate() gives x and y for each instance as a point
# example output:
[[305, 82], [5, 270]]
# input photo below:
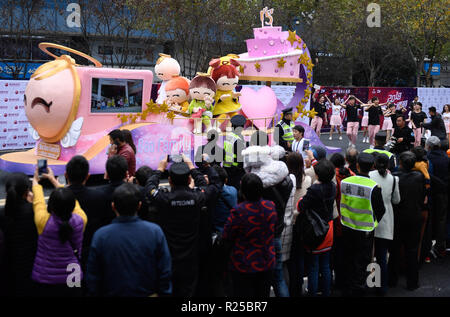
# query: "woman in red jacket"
[[251, 229]]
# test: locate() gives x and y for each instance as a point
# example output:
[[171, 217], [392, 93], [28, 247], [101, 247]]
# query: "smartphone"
[[175, 158], [305, 145], [42, 166]]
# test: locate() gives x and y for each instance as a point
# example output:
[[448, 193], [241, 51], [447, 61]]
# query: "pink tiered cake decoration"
[[271, 55]]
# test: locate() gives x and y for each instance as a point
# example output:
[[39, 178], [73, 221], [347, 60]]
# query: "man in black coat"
[[439, 169], [437, 125], [92, 201], [404, 135], [116, 173], [179, 213], [214, 153], [140, 179], [407, 222]]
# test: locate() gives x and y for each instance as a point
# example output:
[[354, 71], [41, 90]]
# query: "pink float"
[[72, 108]]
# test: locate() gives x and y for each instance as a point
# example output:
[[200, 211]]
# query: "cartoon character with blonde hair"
[[51, 102], [166, 68], [177, 91]]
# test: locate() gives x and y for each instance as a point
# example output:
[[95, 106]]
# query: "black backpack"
[[310, 228]]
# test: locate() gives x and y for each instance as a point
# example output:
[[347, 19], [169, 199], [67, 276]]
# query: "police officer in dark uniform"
[[233, 145], [283, 130], [179, 212]]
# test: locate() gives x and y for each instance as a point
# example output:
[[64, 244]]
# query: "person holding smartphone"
[[120, 147], [297, 144], [179, 213]]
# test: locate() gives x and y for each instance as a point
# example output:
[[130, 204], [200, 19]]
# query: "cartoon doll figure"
[[202, 90], [226, 76], [51, 102], [177, 91], [166, 68]]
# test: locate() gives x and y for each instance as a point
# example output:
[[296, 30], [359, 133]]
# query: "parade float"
[[72, 108]]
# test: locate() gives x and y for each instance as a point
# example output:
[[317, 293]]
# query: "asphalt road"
[[434, 277]]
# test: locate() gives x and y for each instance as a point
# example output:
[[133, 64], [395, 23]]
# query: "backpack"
[[310, 228]]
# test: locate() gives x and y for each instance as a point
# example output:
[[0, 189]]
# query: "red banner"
[[401, 97]]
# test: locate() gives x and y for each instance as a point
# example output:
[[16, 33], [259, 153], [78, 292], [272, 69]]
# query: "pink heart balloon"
[[258, 104]]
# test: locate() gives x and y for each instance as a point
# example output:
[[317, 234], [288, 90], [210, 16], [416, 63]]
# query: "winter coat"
[[20, 246], [251, 228], [412, 197], [53, 256], [286, 235], [385, 228], [274, 174]]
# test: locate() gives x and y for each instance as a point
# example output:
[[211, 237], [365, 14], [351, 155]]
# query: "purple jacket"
[[52, 256]]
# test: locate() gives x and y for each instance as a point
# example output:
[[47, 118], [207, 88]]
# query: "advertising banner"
[[14, 125], [433, 97], [401, 97]]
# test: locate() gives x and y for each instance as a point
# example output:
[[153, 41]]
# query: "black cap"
[[366, 158], [287, 111], [179, 169], [381, 136], [238, 121]]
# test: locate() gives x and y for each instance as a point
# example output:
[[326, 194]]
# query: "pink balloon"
[[258, 104]]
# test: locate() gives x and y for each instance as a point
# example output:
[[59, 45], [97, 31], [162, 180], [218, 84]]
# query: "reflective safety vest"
[[370, 151], [288, 135], [228, 145], [356, 204]]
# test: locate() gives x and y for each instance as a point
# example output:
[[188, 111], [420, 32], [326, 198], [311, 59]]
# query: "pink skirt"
[[365, 122], [387, 124], [336, 120]]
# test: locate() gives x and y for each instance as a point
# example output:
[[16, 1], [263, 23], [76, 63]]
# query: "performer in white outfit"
[[446, 118], [335, 120], [365, 125]]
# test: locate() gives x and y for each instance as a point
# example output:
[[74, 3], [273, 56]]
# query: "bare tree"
[[423, 28], [199, 30], [20, 22]]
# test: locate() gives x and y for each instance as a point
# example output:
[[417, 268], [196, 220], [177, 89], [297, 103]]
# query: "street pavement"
[[434, 277]]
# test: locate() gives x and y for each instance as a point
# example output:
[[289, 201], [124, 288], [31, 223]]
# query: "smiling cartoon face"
[[177, 95], [199, 93], [167, 69], [50, 99], [225, 84]]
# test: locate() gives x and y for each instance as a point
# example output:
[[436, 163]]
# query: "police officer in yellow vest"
[[380, 141], [233, 145], [361, 209], [283, 130]]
